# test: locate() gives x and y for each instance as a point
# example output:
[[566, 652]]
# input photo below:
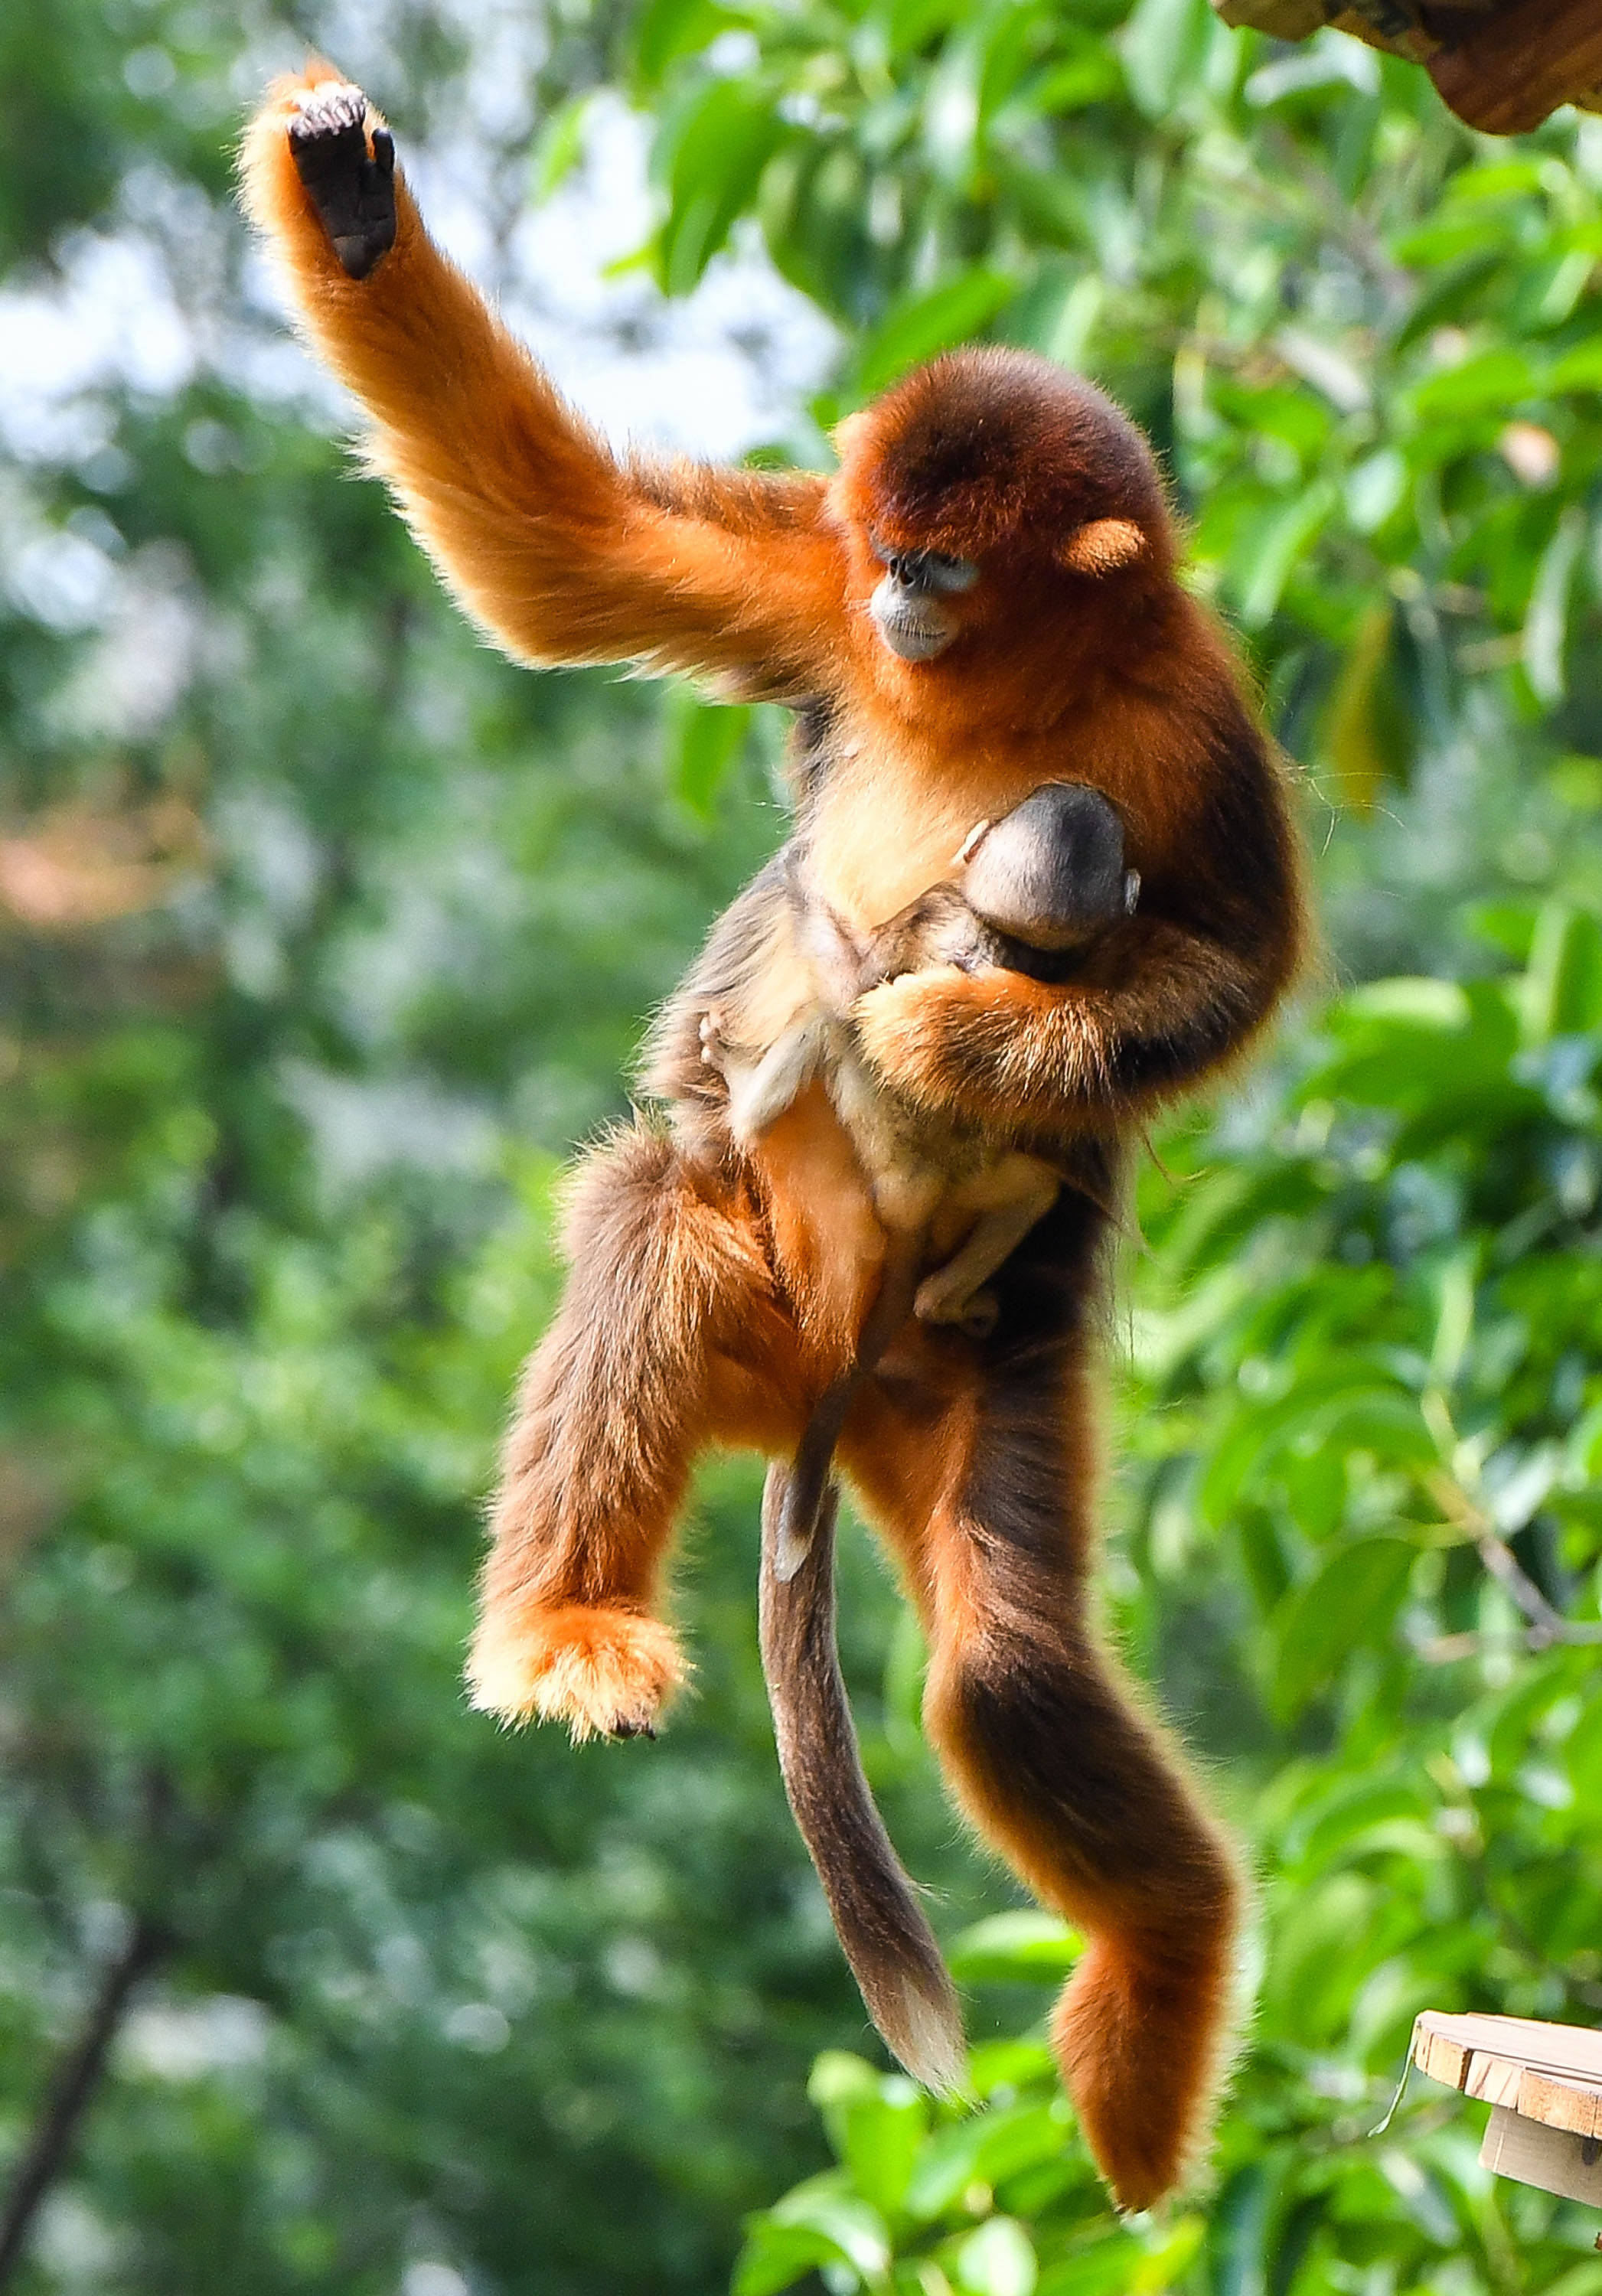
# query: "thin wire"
[[1401, 2090]]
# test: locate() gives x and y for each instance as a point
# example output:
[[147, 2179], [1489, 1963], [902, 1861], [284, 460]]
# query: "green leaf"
[[905, 1664], [1354, 1810], [827, 2208], [924, 325], [559, 146], [1563, 985], [712, 152], [1010, 2066], [1417, 1002], [1105, 2266], [666, 30], [1017, 1948], [1090, 77], [839, 2079], [1546, 622], [1580, 369], [1262, 562], [883, 2134], [1163, 46], [1495, 382], [1350, 1602], [997, 2260], [777, 2255], [982, 2150], [705, 738]]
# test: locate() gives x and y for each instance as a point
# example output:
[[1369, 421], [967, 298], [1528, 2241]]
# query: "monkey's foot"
[[714, 1043], [1143, 2054], [352, 190], [604, 1673]]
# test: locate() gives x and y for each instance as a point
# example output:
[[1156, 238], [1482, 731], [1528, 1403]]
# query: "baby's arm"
[[761, 1090]]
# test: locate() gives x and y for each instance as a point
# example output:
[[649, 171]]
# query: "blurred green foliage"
[[324, 936]]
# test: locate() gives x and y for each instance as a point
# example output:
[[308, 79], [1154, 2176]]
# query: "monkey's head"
[[1050, 872], [991, 482]]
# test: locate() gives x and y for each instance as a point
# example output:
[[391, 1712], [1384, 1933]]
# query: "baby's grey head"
[[1050, 872]]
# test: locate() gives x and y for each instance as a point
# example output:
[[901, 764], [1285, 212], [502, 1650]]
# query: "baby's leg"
[[1012, 1197]]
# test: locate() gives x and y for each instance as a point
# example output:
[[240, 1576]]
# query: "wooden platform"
[[1544, 2084]]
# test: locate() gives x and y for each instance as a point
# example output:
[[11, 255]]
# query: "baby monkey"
[[1033, 891]]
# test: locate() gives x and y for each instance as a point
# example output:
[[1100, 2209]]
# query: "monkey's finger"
[[354, 194], [328, 129]]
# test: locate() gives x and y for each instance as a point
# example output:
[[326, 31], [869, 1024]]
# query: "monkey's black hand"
[[353, 193]]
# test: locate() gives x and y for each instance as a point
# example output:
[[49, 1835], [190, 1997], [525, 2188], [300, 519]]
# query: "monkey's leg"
[[1057, 1766], [1047, 1748], [806, 1483], [877, 1918], [616, 1401], [947, 1296]]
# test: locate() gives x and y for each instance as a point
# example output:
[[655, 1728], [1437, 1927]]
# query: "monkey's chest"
[[891, 817]]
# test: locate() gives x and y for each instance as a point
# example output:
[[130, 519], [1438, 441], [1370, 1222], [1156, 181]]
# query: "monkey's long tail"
[[886, 1937]]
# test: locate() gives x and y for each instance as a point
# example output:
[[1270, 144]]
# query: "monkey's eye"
[[950, 575]]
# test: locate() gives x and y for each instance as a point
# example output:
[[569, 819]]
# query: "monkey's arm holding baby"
[[983, 599]]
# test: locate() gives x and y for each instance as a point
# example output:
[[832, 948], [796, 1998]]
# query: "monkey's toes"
[[604, 1673], [352, 190]]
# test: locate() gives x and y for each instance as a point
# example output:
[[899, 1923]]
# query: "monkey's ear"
[[848, 433], [1102, 546]]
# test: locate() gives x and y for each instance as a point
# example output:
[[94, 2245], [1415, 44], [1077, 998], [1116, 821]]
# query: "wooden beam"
[[1511, 71], [1531, 2154]]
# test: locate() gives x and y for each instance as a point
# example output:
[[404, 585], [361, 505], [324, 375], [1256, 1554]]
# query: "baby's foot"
[[939, 1301]]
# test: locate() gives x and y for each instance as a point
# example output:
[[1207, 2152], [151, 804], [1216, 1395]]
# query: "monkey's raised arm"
[[558, 549], [1168, 993]]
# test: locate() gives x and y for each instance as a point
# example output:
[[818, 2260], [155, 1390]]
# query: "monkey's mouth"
[[915, 628]]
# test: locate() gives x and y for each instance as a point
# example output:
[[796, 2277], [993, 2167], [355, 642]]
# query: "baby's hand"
[[714, 1042]]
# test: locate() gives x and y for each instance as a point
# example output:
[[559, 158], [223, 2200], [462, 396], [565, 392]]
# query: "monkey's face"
[[912, 605], [994, 499]]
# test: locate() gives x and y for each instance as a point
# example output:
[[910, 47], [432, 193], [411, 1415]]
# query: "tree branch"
[[1547, 1625], [71, 2092]]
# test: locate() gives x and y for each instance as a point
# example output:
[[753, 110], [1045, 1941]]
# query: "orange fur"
[[716, 1294], [544, 537]]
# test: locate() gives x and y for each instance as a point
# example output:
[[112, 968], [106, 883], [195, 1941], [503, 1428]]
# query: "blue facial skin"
[[908, 606]]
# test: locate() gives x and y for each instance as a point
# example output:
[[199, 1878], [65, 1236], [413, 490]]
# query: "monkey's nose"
[[912, 623]]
